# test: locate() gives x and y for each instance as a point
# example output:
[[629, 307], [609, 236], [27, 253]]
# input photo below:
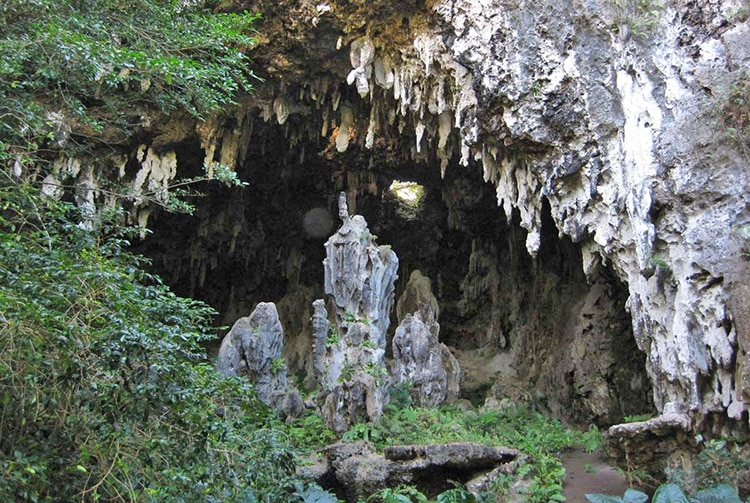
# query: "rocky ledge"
[[356, 470]]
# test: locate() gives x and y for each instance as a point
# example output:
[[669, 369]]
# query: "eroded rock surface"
[[350, 358], [418, 291], [424, 364], [356, 471], [252, 349]]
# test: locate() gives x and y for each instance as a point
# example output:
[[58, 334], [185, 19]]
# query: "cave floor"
[[589, 472]]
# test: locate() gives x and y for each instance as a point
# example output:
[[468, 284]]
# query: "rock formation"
[[614, 116], [418, 291], [421, 362], [349, 358], [356, 471], [252, 349]]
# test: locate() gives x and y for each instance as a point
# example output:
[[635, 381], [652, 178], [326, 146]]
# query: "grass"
[[541, 439]]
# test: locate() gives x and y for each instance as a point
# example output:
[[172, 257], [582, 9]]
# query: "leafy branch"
[[91, 70]]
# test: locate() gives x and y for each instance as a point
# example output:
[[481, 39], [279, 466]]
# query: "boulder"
[[355, 470], [252, 348], [421, 361]]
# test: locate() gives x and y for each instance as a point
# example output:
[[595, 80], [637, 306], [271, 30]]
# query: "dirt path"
[[587, 473]]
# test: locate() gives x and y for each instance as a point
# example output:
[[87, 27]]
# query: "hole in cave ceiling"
[[409, 192]]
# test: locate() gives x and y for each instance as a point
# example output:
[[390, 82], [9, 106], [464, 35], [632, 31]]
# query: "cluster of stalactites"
[[419, 90]]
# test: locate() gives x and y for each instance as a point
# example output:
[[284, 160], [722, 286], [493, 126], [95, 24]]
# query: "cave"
[[533, 329], [567, 181], [576, 235]]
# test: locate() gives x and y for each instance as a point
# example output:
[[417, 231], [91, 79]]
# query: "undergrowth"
[[104, 390], [540, 438]]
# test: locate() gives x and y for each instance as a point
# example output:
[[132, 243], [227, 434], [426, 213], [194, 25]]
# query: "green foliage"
[[592, 439], [410, 494], [401, 395], [95, 67], [660, 263], [671, 493], [309, 432], [631, 496], [718, 462], [104, 389], [717, 494], [639, 17], [456, 495], [347, 373], [364, 431], [379, 372], [734, 111], [637, 418], [400, 494], [368, 236], [313, 493], [277, 365], [333, 336]]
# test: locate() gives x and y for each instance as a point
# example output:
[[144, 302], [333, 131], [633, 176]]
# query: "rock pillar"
[[360, 277]]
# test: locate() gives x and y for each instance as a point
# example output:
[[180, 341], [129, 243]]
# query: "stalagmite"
[[420, 360], [360, 277], [347, 120]]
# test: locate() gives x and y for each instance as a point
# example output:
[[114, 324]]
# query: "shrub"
[[104, 389]]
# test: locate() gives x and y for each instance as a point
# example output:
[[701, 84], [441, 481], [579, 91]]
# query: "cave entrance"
[[532, 330]]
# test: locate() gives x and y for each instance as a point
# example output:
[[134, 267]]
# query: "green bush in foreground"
[[671, 493], [104, 395]]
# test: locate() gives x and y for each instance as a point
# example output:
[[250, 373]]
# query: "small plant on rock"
[[333, 336], [277, 365], [639, 17]]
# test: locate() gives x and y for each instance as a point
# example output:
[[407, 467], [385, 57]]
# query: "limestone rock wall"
[[614, 129], [611, 113]]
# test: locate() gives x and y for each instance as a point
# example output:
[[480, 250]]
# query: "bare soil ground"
[[588, 472]]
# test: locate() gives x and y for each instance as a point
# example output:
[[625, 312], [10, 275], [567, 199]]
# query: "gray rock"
[[360, 277], [358, 469], [420, 360], [292, 406], [252, 348], [418, 291], [320, 326]]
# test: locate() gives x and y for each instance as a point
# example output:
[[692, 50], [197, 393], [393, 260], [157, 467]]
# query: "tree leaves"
[[104, 389], [88, 62]]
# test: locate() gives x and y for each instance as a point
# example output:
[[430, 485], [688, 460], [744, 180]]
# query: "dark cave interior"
[[568, 336]]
